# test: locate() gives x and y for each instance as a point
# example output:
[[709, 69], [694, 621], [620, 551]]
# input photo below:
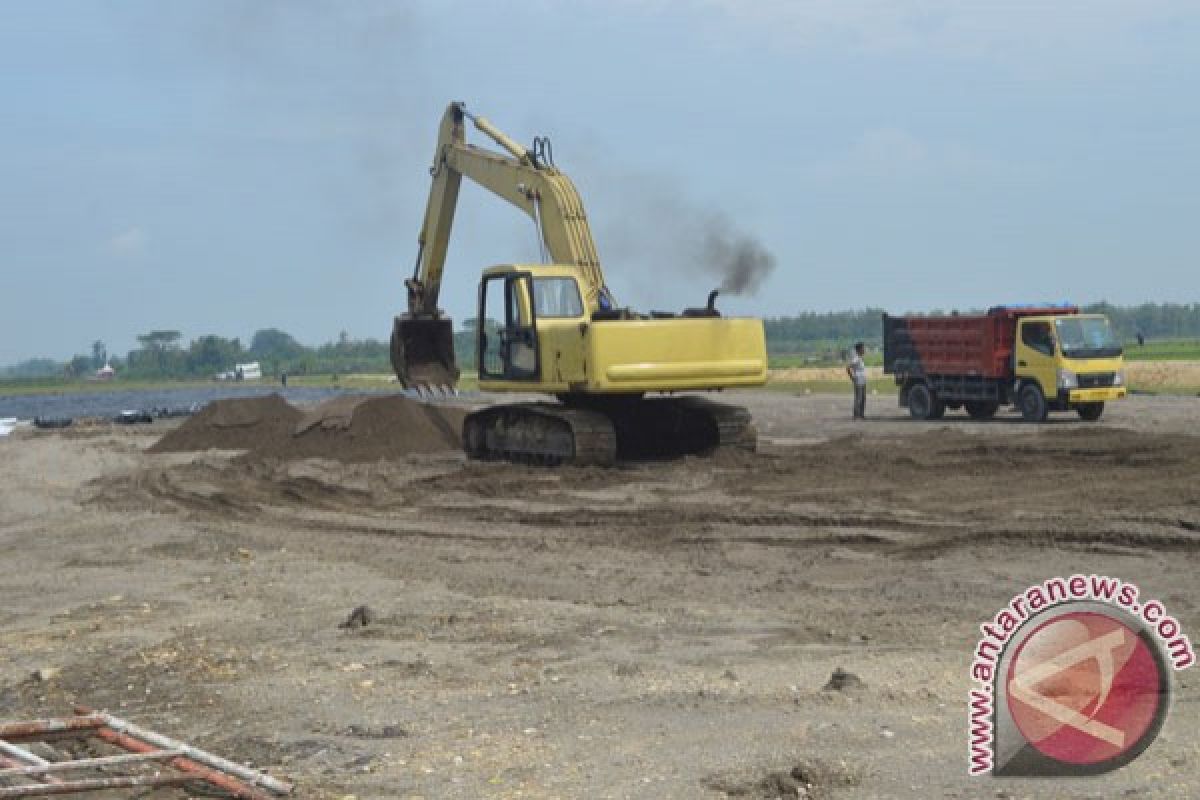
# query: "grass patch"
[[1168, 350]]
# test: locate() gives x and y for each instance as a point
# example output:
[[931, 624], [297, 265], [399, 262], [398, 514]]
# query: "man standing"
[[857, 371]]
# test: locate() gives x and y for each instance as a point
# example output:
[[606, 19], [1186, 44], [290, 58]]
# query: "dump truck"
[[1036, 358], [555, 328]]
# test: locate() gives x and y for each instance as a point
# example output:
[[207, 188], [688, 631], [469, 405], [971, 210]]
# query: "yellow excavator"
[[554, 328]]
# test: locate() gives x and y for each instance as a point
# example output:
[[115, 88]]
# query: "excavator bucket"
[[423, 352]]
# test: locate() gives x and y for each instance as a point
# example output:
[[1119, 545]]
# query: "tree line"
[[162, 354], [809, 331]]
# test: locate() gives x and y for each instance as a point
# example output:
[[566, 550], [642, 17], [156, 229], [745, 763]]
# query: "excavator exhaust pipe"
[[423, 352]]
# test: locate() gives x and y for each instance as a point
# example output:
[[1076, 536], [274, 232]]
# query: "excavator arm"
[[422, 340], [524, 178]]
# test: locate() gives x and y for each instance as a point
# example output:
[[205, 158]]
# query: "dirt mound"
[[336, 413], [355, 429], [241, 423], [348, 428]]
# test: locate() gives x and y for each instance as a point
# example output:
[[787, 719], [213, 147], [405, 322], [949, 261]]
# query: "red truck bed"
[[976, 344]]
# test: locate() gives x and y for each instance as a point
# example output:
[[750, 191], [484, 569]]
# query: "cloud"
[[886, 152], [891, 153], [1017, 32], [128, 243]]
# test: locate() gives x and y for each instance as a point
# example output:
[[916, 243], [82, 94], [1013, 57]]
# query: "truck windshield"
[[1087, 337]]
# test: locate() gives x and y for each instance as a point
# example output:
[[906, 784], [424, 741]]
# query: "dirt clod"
[[380, 732], [360, 617], [841, 681], [808, 779]]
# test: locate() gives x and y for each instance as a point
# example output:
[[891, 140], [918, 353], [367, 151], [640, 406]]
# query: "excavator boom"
[[423, 338]]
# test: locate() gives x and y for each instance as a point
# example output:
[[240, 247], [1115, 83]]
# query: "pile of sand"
[[242, 423], [348, 428]]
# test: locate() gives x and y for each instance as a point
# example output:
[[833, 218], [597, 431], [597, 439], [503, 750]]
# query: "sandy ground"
[[649, 631]]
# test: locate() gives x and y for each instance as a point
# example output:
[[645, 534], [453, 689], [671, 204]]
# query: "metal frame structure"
[[135, 758]]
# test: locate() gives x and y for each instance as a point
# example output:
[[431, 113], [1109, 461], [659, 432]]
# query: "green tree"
[[161, 349], [34, 368], [212, 354], [78, 366], [272, 344]]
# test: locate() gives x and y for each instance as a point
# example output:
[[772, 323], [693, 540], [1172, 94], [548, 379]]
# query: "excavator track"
[[669, 427], [540, 433], [601, 431]]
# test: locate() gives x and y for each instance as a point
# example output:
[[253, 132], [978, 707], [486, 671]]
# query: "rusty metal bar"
[[5, 761], [40, 727], [221, 765], [141, 746], [186, 765], [95, 785], [21, 754], [89, 763], [17, 756]]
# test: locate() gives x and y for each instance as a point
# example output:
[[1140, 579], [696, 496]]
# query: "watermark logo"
[[1073, 677]]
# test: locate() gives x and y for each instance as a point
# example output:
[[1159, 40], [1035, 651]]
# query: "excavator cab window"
[[557, 297], [507, 343]]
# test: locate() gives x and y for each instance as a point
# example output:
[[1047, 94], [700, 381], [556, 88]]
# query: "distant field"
[[1167, 377], [827, 379], [808, 361], [1167, 367], [1172, 377], [1175, 350], [379, 381], [1154, 350]]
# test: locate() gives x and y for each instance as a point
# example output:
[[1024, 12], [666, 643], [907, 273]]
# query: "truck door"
[[1035, 354], [507, 343]]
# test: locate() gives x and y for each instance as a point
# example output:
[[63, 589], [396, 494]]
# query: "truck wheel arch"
[[1031, 400], [923, 402]]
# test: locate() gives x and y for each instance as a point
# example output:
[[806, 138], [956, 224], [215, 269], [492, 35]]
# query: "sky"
[[221, 166]]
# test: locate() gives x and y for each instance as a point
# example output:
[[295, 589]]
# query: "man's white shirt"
[[858, 370]]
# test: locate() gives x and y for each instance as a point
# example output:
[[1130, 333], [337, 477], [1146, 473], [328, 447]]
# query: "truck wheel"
[[921, 402], [1032, 403], [1090, 411], [982, 409]]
